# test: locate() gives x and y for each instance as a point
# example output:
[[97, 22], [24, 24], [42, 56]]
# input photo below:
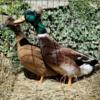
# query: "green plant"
[[76, 26], [7, 37]]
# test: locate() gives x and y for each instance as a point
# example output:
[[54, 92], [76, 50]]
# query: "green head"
[[35, 20]]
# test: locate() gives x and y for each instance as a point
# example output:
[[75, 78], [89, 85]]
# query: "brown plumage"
[[28, 54], [59, 58]]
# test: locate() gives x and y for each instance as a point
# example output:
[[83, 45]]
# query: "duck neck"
[[40, 28], [19, 37]]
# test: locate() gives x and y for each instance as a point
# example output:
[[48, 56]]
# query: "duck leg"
[[69, 82], [41, 79]]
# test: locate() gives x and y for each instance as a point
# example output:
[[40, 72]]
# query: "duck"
[[64, 60], [29, 54], [61, 59]]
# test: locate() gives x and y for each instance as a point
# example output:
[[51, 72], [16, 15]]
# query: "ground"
[[18, 87]]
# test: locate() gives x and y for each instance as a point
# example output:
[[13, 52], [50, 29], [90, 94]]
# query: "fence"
[[46, 3]]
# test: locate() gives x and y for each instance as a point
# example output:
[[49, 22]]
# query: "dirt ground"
[[18, 87]]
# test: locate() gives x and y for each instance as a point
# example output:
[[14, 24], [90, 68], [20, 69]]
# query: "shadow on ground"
[[20, 87]]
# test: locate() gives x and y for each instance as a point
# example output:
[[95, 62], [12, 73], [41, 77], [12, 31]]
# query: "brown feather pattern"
[[28, 54], [59, 58]]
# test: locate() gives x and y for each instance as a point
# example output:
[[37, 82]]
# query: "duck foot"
[[40, 81], [69, 82]]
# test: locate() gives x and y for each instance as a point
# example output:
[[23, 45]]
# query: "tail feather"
[[90, 62], [87, 67]]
